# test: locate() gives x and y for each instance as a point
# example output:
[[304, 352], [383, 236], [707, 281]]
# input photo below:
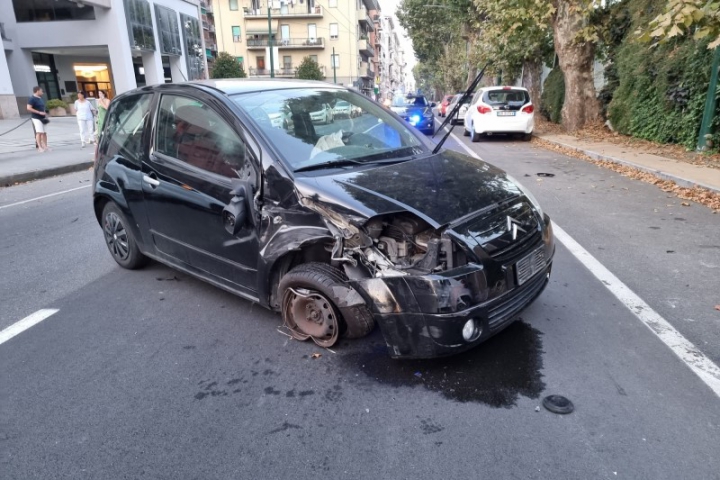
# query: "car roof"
[[505, 87], [232, 86]]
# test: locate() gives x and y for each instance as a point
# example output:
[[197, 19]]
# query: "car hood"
[[440, 188]]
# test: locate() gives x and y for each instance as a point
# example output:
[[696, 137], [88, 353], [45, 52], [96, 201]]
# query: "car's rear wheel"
[[311, 294], [465, 132], [119, 239], [476, 136], [527, 137]]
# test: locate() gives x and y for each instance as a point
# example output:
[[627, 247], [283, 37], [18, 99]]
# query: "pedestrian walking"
[[36, 107], [103, 104], [84, 113]]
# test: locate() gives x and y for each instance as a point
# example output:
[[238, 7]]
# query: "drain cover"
[[558, 404]]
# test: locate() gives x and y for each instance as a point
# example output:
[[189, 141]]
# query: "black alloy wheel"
[[119, 239]]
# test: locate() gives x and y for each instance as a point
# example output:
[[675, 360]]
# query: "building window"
[[233, 5], [140, 27], [44, 11], [167, 24], [314, 58], [335, 61], [334, 30], [194, 52], [241, 61], [236, 34], [332, 3], [287, 63]]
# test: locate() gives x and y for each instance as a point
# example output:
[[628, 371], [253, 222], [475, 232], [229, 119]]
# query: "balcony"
[[286, 11], [205, 25], [365, 47], [286, 43], [365, 21], [364, 70]]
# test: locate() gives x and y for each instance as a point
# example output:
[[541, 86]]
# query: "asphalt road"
[[152, 374]]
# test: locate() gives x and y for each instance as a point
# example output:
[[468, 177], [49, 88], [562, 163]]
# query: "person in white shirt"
[[84, 114]]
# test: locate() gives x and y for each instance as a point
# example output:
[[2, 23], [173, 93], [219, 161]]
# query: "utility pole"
[[270, 43], [709, 103], [334, 65]]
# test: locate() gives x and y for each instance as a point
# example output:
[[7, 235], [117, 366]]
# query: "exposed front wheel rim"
[[309, 314], [116, 236]]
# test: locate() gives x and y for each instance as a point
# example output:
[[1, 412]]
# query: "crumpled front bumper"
[[423, 316]]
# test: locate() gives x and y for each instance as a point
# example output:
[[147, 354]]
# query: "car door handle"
[[153, 182]]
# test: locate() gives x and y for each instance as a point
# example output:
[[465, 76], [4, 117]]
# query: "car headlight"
[[415, 119], [528, 194]]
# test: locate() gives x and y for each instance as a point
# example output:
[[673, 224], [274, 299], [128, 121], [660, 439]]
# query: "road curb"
[[9, 180], [683, 182]]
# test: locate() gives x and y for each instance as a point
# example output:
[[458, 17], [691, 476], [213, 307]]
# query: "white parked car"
[[323, 116], [460, 116], [343, 109], [507, 110]]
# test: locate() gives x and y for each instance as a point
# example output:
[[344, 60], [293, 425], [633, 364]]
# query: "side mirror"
[[433, 105], [236, 213]]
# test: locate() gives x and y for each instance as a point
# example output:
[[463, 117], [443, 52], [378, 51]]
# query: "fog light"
[[471, 330]]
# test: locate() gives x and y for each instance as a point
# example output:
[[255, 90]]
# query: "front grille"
[[517, 249], [505, 311], [495, 233]]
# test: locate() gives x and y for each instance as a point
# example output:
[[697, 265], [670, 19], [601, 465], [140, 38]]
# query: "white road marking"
[[682, 347], [701, 365], [27, 322], [42, 197]]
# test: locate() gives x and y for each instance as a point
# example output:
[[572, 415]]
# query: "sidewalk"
[[684, 174], [21, 162]]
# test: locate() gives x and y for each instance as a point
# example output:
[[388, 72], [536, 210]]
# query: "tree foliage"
[[227, 66], [309, 70], [681, 17]]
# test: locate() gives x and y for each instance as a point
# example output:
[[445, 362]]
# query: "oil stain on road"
[[495, 373]]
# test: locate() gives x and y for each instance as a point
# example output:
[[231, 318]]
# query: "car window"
[[192, 132], [123, 129], [508, 96], [409, 102], [300, 124]]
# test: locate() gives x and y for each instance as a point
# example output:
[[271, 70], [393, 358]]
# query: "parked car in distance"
[[360, 225], [343, 109], [323, 116], [416, 110], [460, 115], [444, 104], [504, 110]]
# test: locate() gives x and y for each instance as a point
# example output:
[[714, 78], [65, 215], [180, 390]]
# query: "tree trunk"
[[532, 75], [576, 59]]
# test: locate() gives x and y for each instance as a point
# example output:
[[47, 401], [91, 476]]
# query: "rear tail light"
[[528, 109], [483, 109]]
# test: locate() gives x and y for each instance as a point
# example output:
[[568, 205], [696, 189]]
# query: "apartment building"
[[392, 61], [277, 35], [208, 26], [112, 45]]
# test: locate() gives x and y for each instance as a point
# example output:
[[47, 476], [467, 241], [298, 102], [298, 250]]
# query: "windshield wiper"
[[454, 111], [331, 163]]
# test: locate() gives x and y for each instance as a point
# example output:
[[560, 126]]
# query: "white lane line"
[[701, 365], [27, 322], [682, 347], [42, 197]]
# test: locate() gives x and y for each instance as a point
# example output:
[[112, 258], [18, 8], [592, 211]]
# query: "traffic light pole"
[[709, 103], [270, 44]]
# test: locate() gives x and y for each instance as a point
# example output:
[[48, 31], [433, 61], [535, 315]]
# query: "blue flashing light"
[[415, 119]]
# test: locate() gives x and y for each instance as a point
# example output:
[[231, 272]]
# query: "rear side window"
[[192, 132], [124, 127], [512, 97]]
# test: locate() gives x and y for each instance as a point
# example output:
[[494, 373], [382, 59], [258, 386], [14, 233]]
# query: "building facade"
[[209, 33], [297, 29], [392, 61], [112, 45]]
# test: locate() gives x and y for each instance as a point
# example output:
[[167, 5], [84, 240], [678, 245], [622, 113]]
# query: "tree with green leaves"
[[227, 66], [699, 17], [309, 70]]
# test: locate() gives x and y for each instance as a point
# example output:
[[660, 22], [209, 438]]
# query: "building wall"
[[108, 29], [345, 14]]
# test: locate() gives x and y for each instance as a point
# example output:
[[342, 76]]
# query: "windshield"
[[506, 97], [302, 125], [409, 102]]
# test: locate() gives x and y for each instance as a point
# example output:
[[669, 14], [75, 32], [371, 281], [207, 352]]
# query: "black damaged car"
[[338, 227]]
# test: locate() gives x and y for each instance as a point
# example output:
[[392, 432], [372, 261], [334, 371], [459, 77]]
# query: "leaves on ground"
[[316, 355]]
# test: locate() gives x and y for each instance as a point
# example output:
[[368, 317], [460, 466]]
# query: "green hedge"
[[553, 96], [661, 90], [55, 103]]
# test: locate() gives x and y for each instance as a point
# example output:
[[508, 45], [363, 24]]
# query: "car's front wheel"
[[311, 294], [120, 240]]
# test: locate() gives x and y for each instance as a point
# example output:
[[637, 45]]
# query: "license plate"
[[529, 265], [505, 114]]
